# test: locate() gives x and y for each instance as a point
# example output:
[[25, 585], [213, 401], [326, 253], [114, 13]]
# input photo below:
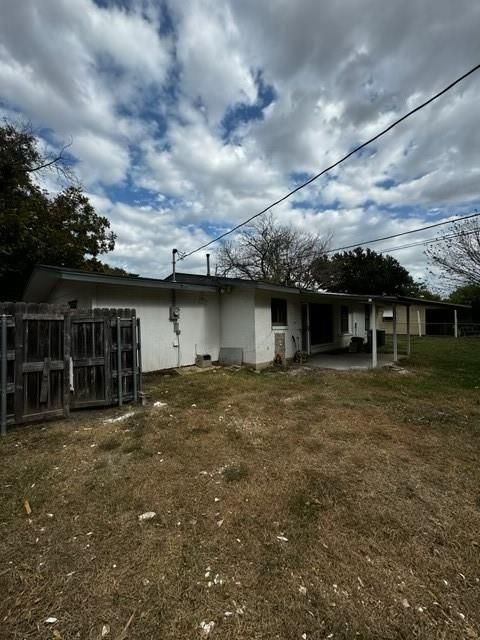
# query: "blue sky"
[[187, 117]]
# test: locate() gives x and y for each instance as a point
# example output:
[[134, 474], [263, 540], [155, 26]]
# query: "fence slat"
[[119, 362], [43, 344], [67, 369], [134, 357], [139, 355], [107, 354], [3, 377], [19, 397]]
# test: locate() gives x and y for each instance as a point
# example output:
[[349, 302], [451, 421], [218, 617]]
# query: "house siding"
[[265, 333], [237, 322], [232, 317], [199, 320], [416, 327]]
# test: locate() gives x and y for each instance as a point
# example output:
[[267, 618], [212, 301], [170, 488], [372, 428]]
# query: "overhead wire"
[[358, 148], [403, 233], [429, 241]]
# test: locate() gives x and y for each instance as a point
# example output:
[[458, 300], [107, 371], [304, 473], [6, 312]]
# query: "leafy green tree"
[[364, 271], [466, 294], [37, 228]]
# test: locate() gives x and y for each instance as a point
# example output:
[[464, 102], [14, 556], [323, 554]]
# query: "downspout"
[[176, 326]]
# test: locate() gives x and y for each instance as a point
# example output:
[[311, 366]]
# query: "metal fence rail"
[[54, 359]]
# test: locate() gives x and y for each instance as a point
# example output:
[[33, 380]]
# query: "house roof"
[[45, 277], [403, 300], [223, 281]]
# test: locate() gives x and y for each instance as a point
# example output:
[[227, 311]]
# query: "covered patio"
[[348, 331], [341, 331]]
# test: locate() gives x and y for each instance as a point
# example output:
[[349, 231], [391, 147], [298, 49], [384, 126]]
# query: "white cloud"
[[100, 160], [145, 111], [214, 66], [74, 67]]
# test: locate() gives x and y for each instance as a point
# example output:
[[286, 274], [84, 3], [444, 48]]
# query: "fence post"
[[67, 363], [20, 309], [409, 345], [374, 336], [455, 323], [3, 377], [134, 357], [119, 361], [139, 355], [395, 338]]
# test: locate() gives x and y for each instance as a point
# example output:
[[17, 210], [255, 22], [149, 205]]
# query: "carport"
[[333, 323]]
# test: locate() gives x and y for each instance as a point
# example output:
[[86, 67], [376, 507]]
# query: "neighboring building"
[[228, 318], [426, 318]]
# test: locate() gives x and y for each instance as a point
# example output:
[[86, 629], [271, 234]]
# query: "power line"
[[403, 233], [336, 164], [429, 241]]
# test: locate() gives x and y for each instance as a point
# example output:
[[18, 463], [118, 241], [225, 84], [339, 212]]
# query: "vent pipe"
[[174, 259], [208, 264]]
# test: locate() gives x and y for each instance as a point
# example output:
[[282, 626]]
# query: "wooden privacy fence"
[[54, 359]]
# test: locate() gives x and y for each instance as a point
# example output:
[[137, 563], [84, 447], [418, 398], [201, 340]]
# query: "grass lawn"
[[288, 505]]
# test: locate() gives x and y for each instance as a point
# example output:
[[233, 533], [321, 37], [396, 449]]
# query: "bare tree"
[[458, 253], [272, 252], [21, 152]]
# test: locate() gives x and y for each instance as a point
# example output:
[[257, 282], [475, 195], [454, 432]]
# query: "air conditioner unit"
[[204, 360]]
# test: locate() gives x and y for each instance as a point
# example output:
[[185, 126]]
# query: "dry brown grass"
[[373, 481]]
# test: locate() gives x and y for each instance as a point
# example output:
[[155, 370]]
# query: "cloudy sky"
[[188, 117]]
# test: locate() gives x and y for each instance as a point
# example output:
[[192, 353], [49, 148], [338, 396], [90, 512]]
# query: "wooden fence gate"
[[54, 359]]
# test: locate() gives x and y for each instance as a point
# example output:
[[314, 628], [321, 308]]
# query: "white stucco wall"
[[161, 347], [238, 318], [265, 333], [65, 292], [199, 320], [237, 322]]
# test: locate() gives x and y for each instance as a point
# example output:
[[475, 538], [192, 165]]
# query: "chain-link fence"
[[425, 334]]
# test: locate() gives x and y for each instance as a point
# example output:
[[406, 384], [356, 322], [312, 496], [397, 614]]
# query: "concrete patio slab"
[[346, 361]]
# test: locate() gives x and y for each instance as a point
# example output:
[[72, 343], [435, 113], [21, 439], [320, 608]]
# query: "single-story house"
[[230, 319]]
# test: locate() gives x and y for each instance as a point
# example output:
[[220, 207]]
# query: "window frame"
[[279, 312]]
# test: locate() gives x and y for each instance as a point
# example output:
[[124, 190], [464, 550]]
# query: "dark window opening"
[[73, 304], [279, 312], [344, 319], [367, 317], [321, 324]]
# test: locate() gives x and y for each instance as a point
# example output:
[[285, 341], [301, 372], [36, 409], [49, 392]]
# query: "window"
[[387, 315], [279, 312], [344, 319], [73, 304], [367, 317]]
